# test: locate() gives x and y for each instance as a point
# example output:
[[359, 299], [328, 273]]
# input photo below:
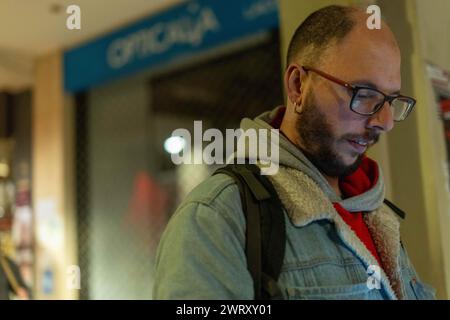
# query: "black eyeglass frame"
[[355, 88]]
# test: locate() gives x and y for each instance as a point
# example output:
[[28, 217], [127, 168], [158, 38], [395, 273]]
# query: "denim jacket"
[[202, 251], [201, 256]]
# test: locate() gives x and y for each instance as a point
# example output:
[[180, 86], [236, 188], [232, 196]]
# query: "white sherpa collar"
[[305, 203]]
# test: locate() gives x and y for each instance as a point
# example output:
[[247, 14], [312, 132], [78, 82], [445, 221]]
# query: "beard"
[[318, 141]]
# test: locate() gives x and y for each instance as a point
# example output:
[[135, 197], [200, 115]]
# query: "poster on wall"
[[22, 225], [440, 81]]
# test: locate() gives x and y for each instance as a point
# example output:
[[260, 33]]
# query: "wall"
[[417, 153], [433, 25], [434, 30], [52, 186]]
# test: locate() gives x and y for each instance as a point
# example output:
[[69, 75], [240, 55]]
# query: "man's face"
[[328, 130], [327, 150]]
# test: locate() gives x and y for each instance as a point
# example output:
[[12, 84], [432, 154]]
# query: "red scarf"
[[362, 180]]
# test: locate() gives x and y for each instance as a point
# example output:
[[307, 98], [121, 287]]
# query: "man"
[[343, 91]]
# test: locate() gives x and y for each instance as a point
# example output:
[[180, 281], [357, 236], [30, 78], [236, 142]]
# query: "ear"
[[293, 84]]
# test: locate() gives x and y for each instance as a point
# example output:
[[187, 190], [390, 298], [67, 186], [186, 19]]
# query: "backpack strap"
[[265, 228], [396, 209], [253, 236]]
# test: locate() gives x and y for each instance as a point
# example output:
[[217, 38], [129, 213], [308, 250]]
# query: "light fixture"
[[174, 144]]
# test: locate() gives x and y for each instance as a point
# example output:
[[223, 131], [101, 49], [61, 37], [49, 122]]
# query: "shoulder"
[[216, 187], [204, 240], [218, 194], [214, 205]]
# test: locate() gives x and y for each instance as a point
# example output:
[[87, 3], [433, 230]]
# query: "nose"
[[383, 120]]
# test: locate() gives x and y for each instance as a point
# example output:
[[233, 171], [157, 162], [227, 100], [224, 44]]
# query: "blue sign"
[[183, 31]]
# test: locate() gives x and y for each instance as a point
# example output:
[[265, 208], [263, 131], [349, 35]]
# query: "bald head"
[[367, 56], [360, 31], [326, 28]]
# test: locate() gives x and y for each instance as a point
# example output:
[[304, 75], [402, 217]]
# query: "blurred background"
[[87, 184]]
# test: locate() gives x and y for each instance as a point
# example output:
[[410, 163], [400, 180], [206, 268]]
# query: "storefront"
[[204, 60]]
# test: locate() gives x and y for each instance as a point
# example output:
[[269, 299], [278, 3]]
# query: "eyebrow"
[[370, 84]]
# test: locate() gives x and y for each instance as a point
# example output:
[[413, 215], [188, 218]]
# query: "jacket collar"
[[314, 205]]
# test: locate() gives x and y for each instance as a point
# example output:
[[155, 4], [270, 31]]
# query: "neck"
[[334, 183]]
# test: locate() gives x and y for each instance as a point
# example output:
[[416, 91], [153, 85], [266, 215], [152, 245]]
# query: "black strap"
[[274, 231], [253, 245], [265, 231], [396, 209], [253, 235]]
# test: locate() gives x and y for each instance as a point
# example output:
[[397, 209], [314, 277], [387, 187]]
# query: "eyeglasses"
[[367, 101]]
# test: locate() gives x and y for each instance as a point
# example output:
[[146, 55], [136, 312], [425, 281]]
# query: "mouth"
[[359, 145]]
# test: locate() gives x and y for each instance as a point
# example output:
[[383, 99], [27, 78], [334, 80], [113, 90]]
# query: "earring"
[[296, 107]]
